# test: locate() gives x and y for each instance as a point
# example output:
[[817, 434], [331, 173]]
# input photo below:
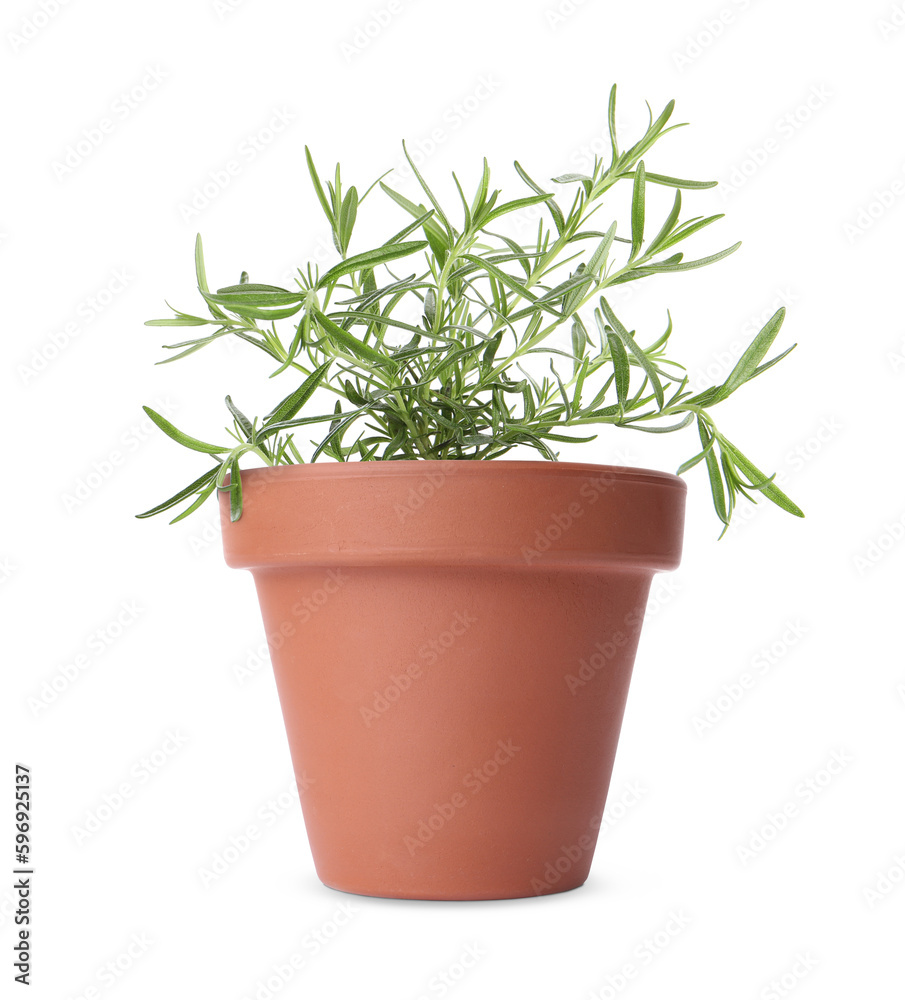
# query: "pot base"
[[487, 894]]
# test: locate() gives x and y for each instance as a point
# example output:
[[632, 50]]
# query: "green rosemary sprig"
[[455, 360]]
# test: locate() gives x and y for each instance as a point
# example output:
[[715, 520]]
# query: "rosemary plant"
[[455, 360]]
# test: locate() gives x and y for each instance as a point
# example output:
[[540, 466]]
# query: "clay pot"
[[452, 644]]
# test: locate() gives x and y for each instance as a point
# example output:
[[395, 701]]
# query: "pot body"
[[452, 644]]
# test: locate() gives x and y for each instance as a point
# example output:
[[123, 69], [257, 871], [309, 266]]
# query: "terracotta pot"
[[453, 643]]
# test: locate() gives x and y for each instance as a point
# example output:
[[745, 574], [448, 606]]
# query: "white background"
[[811, 609]]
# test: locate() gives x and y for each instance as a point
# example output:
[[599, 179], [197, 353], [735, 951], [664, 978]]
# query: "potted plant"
[[456, 635]]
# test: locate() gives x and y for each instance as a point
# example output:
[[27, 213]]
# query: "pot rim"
[[355, 470], [490, 513]]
